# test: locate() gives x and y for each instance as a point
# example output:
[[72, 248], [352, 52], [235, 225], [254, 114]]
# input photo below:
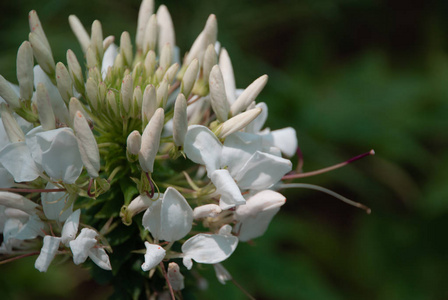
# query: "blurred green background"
[[349, 76]]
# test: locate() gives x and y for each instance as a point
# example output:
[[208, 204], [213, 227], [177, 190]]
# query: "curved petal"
[[16, 158], [262, 170], [175, 276], [237, 150], [47, 253], [152, 219], [154, 255], [108, 59], [53, 203], [285, 139], [227, 188], [256, 125], [6, 179], [33, 228], [176, 216], [203, 147], [70, 227], [100, 258], [82, 244]]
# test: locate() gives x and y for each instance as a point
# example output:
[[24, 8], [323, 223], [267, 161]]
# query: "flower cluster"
[[138, 131]]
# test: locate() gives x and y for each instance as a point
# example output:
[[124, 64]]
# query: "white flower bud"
[[175, 277], [154, 255], [149, 104], [18, 202], [46, 114], [137, 99], [150, 38], [146, 10], [162, 94], [118, 64], [166, 29], [134, 142], [238, 122], [91, 58], [210, 31], [36, 27], [126, 48], [138, 73], [249, 95], [107, 42], [137, 205], [42, 53], [73, 106], [189, 78], [227, 73], [80, 32], [126, 93], [170, 74], [102, 90], [87, 145], [64, 82], [218, 97], [165, 57], [8, 94], [196, 49], [75, 71], [13, 131], [205, 211], [112, 104], [92, 93], [151, 141], [210, 60], [180, 122], [150, 63], [96, 40], [25, 74]]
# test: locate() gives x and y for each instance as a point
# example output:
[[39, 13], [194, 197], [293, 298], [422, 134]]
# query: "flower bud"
[[249, 95], [13, 131], [36, 27], [166, 29], [150, 38], [154, 255], [238, 122], [170, 74], [210, 31], [126, 48], [92, 93], [165, 57], [218, 98], [137, 99], [149, 104], [150, 63], [112, 104], [96, 41], [46, 114], [75, 71], [189, 78], [80, 32], [162, 94], [134, 142], [146, 10], [205, 211], [18, 202], [102, 90], [91, 58], [107, 42], [175, 278], [42, 54], [126, 94], [151, 141], [209, 61], [138, 73], [25, 75], [64, 82], [8, 94], [180, 122], [139, 204], [118, 66], [87, 145], [73, 107], [225, 64]]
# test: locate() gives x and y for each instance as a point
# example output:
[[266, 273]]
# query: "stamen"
[[89, 193], [326, 191], [15, 190], [17, 257], [242, 289], [328, 169], [167, 280], [150, 194], [299, 160]]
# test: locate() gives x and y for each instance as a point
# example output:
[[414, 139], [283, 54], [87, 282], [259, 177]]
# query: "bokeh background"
[[349, 76]]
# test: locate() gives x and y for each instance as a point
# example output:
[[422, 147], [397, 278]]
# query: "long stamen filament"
[[16, 190]]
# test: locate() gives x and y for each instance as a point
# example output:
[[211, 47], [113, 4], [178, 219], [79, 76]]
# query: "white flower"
[[154, 255], [169, 218], [221, 273], [86, 245], [209, 248], [54, 202], [175, 277], [253, 218]]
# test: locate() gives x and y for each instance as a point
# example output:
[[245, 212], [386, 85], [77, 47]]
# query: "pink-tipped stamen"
[[328, 169]]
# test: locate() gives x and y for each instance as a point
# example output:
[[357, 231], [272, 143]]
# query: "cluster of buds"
[[138, 131]]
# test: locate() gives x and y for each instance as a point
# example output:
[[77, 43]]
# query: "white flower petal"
[[256, 125], [108, 59], [154, 255], [100, 258], [82, 244], [54, 202], [227, 188], [47, 253], [262, 170], [6, 179], [222, 274], [285, 139], [203, 147], [152, 220], [175, 277], [238, 149], [31, 229], [16, 158], [70, 227]]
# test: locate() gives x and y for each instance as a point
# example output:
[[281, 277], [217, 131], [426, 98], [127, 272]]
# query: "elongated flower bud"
[[112, 104], [18, 202], [87, 145], [42, 54], [227, 73], [8, 94], [166, 29], [162, 94], [46, 114], [151, 141], [126, 48], [189, 78], [210, 60], [170, 74], [207, 210], [13, 131], [218, 97], [73, 107], [150, 38], [249, 95], [210, 31], [107, 42], [238, 122], [180, 122], [137, 99], [165, 57], [92, 93], [80, 32], [96, 41], [150, 63], [36, 27], [145, 12], [75, 71], [149, 104], [134, 142], [126, 93], [64, 82], [25, 75]]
